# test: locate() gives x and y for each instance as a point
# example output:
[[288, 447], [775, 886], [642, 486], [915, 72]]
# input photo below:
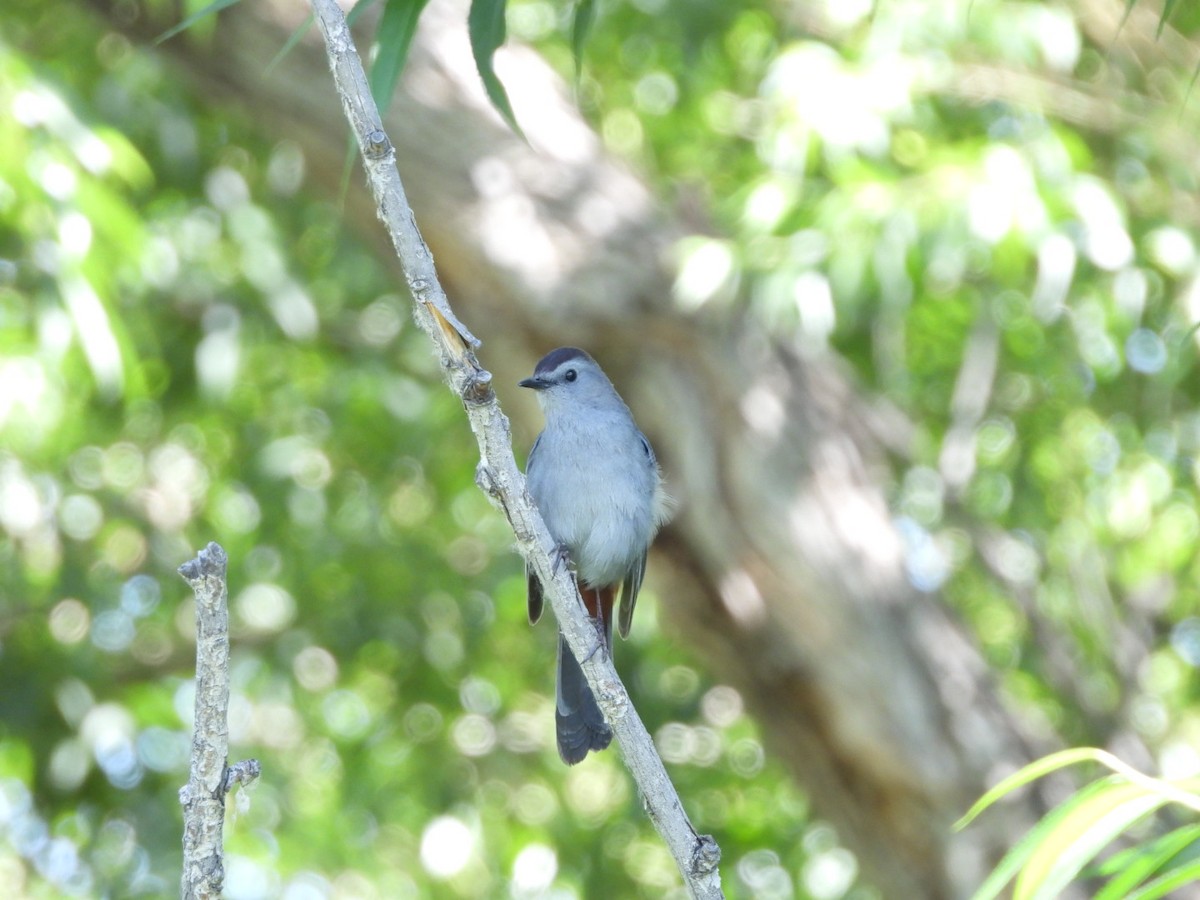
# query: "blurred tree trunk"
[[782, 570]]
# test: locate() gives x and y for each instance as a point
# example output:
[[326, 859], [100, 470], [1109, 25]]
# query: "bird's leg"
[[559, 557], [598, 622]]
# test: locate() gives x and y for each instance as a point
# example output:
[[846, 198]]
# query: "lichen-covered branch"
[[210, 779], [497, 473]]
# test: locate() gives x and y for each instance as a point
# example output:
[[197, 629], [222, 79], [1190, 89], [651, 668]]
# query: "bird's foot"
[[560, 556], [598, 647]]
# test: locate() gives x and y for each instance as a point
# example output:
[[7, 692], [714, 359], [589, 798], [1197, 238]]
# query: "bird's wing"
[[629, 593], [534, 596], [534, 599]]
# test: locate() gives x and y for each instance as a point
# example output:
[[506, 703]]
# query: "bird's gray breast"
[[595, 490]]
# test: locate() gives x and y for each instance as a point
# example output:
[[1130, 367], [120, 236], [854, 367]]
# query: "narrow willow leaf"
[[585, 17], [291, 42], [294, 38], [215, 7], [1185, 875], [1136, 865], [396, 30], [1089, 826], [1020, 852], [485, 24], [1025, 775], [1168, 8], [357, 10]]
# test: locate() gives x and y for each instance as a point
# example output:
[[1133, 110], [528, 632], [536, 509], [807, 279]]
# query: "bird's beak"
[[537, 384]]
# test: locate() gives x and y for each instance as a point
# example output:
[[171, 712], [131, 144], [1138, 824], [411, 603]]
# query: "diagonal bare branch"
[[497, 473]]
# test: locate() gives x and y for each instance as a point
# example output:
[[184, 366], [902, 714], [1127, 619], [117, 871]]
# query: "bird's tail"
[[578, 722]]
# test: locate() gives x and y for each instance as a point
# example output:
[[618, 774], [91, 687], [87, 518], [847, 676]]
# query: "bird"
[[597, 484]]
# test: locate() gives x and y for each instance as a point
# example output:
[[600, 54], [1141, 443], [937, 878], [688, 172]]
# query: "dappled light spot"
[[28, 400], [410, 504], [164, 749], [474, 735], [742, 599], [264, 608], [80, 517], [679, 683], [113, 630], [721, 706], [21, 509], [346, 714], [1056, 259], [926, 565], [307, 886], [108, 730], [468, 555], [534, 870], [315, 669], [764, 410], [533, 803], [124, 547], [226, 188], [681, 743], [746, 757], [1172, 249], [1006, 199], [524, 732], [277, 725], [447, 845], [813, 296], [443, 649], [380, 322], [236, 509], [218, 354], [649, 863], [1185, 638], [307, 507], [423, 722], [248, 879], [829, 873], [75, 235], [285, 168], [706, 271], [1145, 352], [70, 763], [70, 621], [1106, 241], [596, 790], [478, 695], [761, 872], [94, 332], [140, 595], [293, 309]]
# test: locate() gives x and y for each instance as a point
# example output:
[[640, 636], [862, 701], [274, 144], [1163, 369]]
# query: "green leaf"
[[396, 30], [1165, 886], [1168, 8], [357, 10], [292, 41], [485, 24], [1020, 852], [581, 26], [1090, 824], [1025, 775], [1136, 864], [215, 7]]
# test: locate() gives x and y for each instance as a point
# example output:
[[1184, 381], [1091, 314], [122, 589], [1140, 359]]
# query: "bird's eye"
[[571, 375]]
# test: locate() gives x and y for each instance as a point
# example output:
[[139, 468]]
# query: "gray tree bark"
[[781, 571]]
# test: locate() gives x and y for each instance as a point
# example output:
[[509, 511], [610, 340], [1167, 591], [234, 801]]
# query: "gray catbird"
[[596, 483]]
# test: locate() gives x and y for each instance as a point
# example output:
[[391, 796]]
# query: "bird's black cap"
[[549, 363]]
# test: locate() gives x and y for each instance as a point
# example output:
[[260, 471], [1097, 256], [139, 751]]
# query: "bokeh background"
[[905, 294]]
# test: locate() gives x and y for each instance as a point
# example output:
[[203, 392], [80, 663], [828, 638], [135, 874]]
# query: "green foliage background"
[[191, 348]]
